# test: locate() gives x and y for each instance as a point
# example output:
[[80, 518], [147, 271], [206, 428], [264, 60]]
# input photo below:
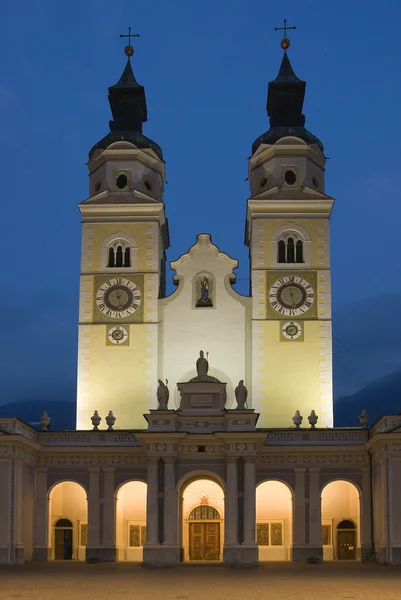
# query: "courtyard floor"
[[270, 581]]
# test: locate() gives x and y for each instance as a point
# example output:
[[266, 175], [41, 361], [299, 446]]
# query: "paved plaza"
[[272, 581]]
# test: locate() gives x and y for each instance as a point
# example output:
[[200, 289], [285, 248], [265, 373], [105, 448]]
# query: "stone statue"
[[202, 367], [162, 395], [241, 394], [204, 299]]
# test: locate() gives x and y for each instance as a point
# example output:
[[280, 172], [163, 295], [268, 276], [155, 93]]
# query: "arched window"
[[281, 251], [346, 524], [63, 523], [127, 257], [290, 248], [119, 254], [205, 512], [299, 255]]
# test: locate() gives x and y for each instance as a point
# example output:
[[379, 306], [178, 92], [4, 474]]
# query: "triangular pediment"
[[109, 197], [282, 192]]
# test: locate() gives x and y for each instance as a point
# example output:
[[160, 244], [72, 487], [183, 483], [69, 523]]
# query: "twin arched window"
[[290, 249], [119, 254]]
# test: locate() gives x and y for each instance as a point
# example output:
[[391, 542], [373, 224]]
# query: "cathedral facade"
[[204, 418]]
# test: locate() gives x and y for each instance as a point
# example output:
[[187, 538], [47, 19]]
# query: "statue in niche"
[[241, 394], [204, 299], [162, 395]]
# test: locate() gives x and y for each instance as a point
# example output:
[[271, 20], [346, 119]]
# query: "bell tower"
[[288, 234], [124, 242]]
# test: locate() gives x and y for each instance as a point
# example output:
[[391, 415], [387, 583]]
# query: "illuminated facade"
[[226, 454]]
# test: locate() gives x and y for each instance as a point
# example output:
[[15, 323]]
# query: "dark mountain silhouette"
[[383, 397], [62, 414]]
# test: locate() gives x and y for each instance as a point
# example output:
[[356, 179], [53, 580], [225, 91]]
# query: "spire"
[[127, 102], [128, 106], [285, 99]]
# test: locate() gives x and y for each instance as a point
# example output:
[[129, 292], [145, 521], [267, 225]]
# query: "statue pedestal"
[[161, 420], [202, 398], [241, 419]]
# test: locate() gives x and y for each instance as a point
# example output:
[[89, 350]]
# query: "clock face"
[[291, 295], [291, 330], [118, 298], [117, 335]]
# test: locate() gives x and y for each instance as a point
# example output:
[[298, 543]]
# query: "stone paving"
[[270, 581]]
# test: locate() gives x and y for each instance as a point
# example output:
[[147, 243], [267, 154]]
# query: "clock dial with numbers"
[[118, 298], [291, 295], [117, 335], [291, 330]]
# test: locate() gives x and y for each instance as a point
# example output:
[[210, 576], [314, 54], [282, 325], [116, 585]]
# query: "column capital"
[[152, 459], [232, 459], [314, 469], [250, 459], [93, 470], [299, 469], [108, 469], [169, 459]]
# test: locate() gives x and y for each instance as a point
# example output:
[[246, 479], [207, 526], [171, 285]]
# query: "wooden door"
[[346, 543], [63, 544], [204, 541]]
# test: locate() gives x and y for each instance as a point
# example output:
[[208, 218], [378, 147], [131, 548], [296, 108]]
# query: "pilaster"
[[108, 548], [315, 514], [249, 545], [93, 550], [42, 548], [298, 516]]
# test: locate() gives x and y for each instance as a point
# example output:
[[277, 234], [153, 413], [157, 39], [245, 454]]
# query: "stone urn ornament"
[[313, 418], [96, 418], [45, 420], [364, 418], [297, 419], [110, 420]]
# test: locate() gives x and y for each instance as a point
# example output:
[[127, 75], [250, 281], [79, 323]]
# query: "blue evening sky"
[[205, 66]]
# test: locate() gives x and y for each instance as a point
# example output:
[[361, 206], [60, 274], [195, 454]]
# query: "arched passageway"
[[131, 521], [202, 522], [68, 521], [274, 520], [340, 521]]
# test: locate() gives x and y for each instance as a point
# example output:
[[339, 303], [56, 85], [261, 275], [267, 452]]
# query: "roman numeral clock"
[[118, 302], [292, 299]]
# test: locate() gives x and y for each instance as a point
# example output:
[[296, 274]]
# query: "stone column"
[[151, 549], [109, 517], [170, 543], [365, 524], [42, 548], [93, 547], [315, 513], [249, 545], [230, 552], [298, 516]]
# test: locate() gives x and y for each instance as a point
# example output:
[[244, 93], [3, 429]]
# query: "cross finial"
[[285, 42], [129, 51]]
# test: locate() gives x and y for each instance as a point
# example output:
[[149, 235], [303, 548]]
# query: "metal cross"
[[129, 35], [284, 28]]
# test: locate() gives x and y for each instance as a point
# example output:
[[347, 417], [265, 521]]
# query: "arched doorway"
[[63, 539], [202, 511], [346, 540], [340, 521], [131, 520], [274, 520], [68, 519]]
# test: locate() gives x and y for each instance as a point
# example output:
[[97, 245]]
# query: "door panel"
[[204, 541], [346, 541], [63, 544]]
